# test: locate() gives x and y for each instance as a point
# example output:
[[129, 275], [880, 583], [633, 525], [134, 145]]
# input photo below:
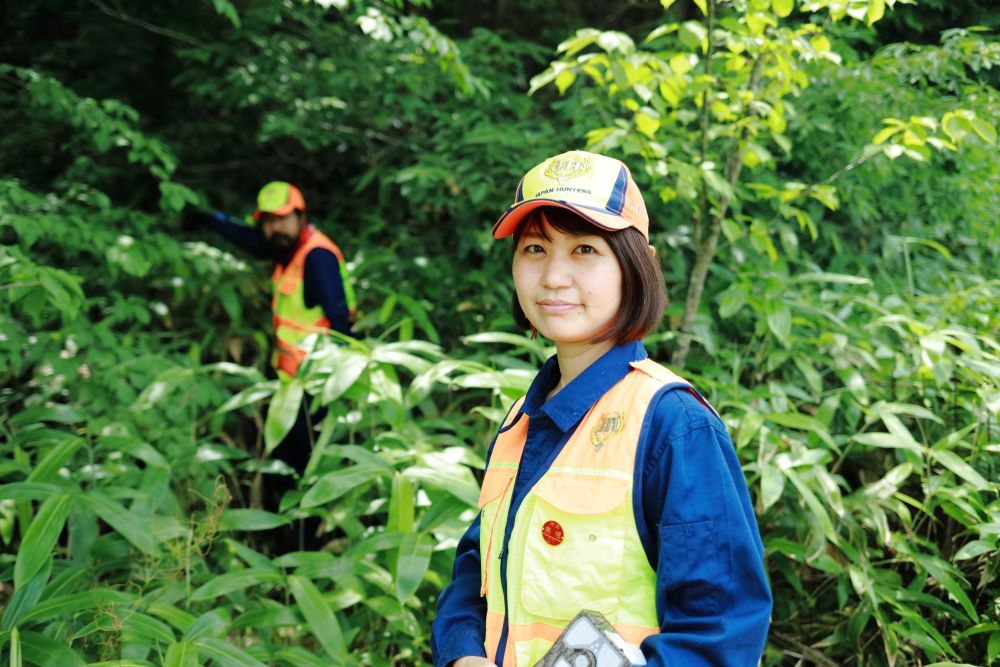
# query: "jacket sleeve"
[[460, 627], [699, 530], [324, 287], [249, 239]]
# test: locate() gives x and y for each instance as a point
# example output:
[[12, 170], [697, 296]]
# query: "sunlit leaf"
[[40, 538], [320, 618], [282, 413]]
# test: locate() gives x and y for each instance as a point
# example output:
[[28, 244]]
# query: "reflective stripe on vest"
[[293, 321], [574, 543]]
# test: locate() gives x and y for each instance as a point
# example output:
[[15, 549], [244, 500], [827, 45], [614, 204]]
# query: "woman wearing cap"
[[612, 486]]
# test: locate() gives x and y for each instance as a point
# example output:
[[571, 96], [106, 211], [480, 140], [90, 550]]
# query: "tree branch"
[[166, 32], [705, 250], [706, 103]]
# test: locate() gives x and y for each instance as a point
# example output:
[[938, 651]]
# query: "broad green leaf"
[[250, 520], [249, 396], [228, 10], [147, 627], [890, 482], [182, 654], [254, 559], [224, 654], [21, 491], [401, 505], [23, 599], [41, 537], [320, 618], [333, 485], [39, 650], [974, 549], [803, 422], [782, 7], [815, 506], [692, 34], [283, 412], [299, 657], [436, 471], [779, 321], [48, 468], [986, 132], [732, 300], [993, 647], [876, 10], [213, 623], [235, 581], [132, 527], [888, 440], [414, 558], [177, 618], [772, 483], [965, 472], [342, 377], [95, 598], [48, 412], [135, 448], [945, 574], [749, 426]]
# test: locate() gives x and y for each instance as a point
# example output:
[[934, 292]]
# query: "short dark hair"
[[644, 295]]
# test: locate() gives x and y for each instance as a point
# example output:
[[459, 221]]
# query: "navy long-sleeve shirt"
[[692, 510], [322, 284]]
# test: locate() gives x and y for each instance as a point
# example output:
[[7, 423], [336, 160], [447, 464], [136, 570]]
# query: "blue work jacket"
[[713, 598], [322, 284]]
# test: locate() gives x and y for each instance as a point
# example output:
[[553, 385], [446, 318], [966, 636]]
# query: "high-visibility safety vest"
[[293, 321], [574, 543]]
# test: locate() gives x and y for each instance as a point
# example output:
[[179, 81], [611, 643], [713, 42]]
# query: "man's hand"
[[473, 661]]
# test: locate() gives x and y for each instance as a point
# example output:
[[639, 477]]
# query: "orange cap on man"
[[598, 188], [279, 198]]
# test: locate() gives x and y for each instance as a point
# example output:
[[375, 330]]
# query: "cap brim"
[[509, 221], [284, 210]]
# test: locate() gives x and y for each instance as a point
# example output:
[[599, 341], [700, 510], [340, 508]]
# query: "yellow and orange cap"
[[279, 198], [598, 188]]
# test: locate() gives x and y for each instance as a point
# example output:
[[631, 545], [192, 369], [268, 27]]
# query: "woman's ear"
[[652, 252]]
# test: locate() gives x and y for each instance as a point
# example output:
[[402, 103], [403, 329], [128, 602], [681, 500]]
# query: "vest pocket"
[[495, 485], [574, 551]]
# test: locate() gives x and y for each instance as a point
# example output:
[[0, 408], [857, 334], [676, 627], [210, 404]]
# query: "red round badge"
[[552, 533]]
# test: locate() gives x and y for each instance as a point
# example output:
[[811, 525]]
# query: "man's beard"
[[280, 245]]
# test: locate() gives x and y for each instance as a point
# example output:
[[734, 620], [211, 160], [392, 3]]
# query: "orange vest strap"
[[667, 376]]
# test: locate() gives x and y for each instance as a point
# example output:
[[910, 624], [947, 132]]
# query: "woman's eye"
[[533, 248], [586, 249]]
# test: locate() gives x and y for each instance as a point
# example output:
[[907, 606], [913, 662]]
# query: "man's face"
[[282, 231]]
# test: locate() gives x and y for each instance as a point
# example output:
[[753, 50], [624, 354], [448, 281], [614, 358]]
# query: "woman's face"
[[569, 287]]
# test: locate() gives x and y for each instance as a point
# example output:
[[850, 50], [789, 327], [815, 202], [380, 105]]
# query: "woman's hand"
[[473, 661]]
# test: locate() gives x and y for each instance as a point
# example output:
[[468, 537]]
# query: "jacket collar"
[[566, 408]]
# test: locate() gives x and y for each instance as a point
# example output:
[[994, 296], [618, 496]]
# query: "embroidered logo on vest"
[[608, 426]]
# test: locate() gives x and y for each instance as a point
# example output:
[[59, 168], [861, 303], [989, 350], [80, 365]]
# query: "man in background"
[[311, 293]]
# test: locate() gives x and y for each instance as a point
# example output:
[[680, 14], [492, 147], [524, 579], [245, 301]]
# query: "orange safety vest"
[[293, 320], [574, 543]]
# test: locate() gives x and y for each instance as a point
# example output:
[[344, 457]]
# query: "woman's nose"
[[557, 272]]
